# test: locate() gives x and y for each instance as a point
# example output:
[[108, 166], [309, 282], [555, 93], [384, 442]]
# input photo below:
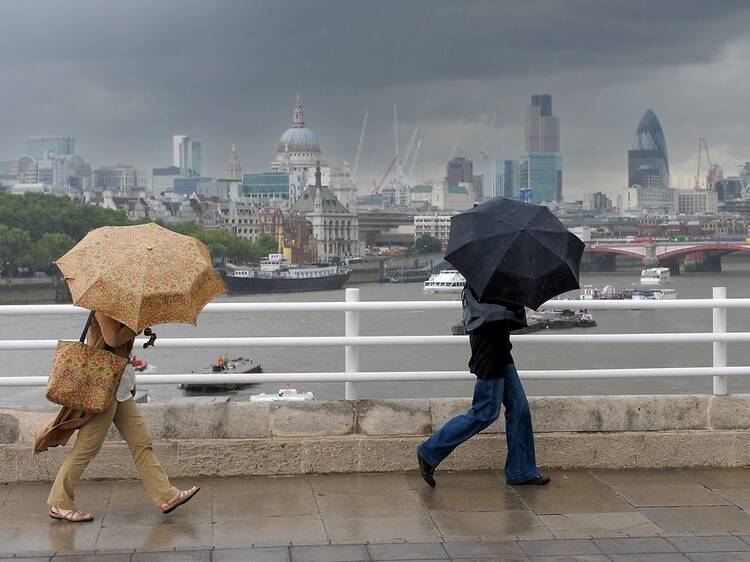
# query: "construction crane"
[[404, 162], [455, 148], [376, 186], [414, 160], [713, 169], [485, 148], [359, 147]]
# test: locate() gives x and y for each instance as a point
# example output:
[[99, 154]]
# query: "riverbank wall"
[[225, 438]]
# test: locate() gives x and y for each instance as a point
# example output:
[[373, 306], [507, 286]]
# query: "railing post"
[[351, 353], [720, 348]]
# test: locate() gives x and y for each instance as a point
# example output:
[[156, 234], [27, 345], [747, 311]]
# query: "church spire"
[[299, 121], [234, 168]]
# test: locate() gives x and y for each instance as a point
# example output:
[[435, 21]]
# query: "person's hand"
[[151, 338]]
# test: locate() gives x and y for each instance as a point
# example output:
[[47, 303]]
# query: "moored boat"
[[224, 366], [276, 275], [656, 276], [447, 281]]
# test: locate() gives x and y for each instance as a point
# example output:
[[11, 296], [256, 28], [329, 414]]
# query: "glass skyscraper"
[[505, 179], [40, 148], [648, 162], [540, 168]]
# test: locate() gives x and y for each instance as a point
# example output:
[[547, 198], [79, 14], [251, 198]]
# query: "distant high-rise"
[[505, 179], [460, 170], [41, 148], [186, 155], [648, 163], [540, 168]]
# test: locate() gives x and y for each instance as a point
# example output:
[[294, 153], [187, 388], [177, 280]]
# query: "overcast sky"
[[122, 77]]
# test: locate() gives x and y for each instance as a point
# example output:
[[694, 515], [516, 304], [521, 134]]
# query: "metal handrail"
[[353, 342]]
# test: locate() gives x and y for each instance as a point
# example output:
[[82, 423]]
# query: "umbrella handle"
[[152, 338]]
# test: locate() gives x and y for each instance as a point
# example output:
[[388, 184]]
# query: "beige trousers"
[[131, 425]]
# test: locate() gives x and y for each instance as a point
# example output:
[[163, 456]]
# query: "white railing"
[[352, 342]]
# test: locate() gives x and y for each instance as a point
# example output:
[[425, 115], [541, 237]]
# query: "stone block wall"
[[244, 438]]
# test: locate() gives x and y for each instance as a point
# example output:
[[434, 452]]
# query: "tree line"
[[36, 229]]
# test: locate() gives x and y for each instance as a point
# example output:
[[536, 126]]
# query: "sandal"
[[71, 516], [182, 497]]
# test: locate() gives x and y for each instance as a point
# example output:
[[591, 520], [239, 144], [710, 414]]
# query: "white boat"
[[447, 281], [664, 294], [653, 294], [284, 395], [655, 276]]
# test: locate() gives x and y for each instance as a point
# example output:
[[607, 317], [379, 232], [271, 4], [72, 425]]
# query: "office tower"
[[460, 170], [186, 155], [41, 148], [540, 168], [648, 163], [505, 179]]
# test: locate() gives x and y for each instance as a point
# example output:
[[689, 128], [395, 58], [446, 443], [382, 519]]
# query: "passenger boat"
[[447, 281], [224, 366], [409, 275], [276, 275], [589, 292], [656, 276]]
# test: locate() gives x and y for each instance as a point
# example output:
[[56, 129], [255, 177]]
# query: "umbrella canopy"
[[514, 252], [141, 275]]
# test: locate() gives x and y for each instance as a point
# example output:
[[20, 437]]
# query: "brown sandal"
[[72, 516], [181, 498]]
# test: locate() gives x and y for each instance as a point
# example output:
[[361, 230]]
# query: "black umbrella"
[[515, 252]]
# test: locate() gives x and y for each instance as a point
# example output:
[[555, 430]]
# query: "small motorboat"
[[139, 365], [224, 366], [284, 395]]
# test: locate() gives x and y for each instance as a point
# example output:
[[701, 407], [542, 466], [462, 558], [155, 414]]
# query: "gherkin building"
[[648, 163]]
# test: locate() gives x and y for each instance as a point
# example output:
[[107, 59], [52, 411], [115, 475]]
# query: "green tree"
[[267, 244], [47, 249], [15, 246], [426, 244]]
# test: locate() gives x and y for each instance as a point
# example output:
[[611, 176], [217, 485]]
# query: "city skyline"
[[126, 98]]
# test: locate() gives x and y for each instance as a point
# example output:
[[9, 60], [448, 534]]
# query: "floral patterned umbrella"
[[141, 275]]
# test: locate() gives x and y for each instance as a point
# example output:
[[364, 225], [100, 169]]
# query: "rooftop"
[[583, 515]]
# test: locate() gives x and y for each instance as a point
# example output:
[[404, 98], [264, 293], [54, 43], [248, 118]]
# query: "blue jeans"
[[520, 463]]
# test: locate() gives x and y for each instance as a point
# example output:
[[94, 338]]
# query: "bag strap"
[[86, 327]]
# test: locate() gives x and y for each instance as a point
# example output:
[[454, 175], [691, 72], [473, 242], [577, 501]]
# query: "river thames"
[[736, 277]]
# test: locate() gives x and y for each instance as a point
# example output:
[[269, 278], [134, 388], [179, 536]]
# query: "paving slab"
[[722, 478], [558, 547], [270, 531], [720, 557], [330, 553], [600, 525], [251, 555], [381, 529], [709, 544], [640, 495], [699, 519], [644, 545], [572, 492], [419, 551], [457, 550]]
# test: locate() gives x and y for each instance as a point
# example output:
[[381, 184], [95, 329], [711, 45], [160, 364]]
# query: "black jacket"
[[490, 344]]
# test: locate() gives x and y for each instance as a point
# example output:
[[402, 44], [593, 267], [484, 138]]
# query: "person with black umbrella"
[[512, 255]]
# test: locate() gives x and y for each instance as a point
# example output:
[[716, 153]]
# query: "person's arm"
[[114, 333]]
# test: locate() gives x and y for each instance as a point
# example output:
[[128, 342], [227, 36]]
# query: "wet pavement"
[[643, 516]]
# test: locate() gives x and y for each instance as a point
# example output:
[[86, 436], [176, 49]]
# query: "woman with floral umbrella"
[[133, 277]]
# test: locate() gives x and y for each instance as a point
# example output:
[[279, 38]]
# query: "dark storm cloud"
[[122, 77]]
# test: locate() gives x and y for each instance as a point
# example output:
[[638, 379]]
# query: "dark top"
[[490, 352]]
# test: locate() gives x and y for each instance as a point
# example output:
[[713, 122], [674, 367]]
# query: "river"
[[736, 277]]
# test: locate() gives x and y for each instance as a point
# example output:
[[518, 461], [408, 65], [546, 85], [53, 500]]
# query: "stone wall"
[[241, 438]]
